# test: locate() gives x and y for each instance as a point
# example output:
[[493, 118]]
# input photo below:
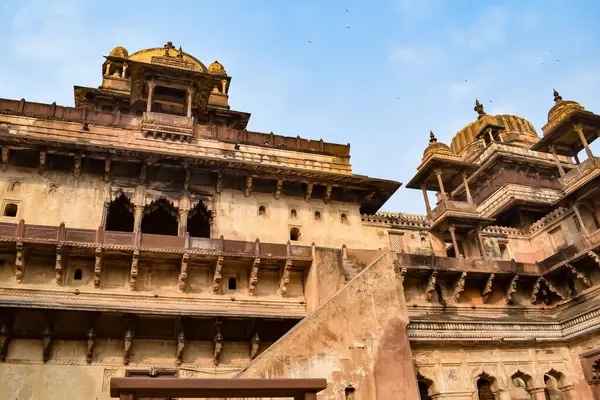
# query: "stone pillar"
[[183, 219], [190, 93], [480, 243], [151, 85], [224, 86], [561, 170], [579, 129], [105, 214], [124, 72], [576, 157], [491, 135], [107, 72], [137, 218], [578, 214], [454, 242], [427, 206], [537, 393], [467, 190], [569, 392], [438, 173]]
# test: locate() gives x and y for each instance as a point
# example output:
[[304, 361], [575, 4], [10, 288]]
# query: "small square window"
[[344, 217], [262, 210]]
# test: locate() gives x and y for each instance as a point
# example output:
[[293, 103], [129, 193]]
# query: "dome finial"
[[432, 138], [557, 96], [479, 108]]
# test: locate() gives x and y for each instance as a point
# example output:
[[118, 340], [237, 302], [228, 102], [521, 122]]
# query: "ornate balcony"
[[167, 126], [581, 174]]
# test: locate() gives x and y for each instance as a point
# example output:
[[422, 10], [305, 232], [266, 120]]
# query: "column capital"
[[578, 128], [452, 228], [151, 83], [438, 172]]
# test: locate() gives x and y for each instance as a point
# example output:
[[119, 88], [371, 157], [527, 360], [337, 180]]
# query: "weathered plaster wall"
[[52, 198], [24, 376], [356, 338]]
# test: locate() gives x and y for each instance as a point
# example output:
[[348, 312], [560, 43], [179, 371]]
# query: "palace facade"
[[147, 232]]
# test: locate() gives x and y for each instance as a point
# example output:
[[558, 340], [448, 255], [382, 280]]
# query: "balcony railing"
[[465, 264], [452, 205], [168, 126], [567, 254], [580, 171], [89, 237]]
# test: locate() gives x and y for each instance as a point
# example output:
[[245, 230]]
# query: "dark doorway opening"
[[160, 218], [484, 389], [199, 220], [120, 215]]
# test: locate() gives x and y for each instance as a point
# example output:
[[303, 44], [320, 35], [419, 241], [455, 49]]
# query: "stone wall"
[[357, 339]]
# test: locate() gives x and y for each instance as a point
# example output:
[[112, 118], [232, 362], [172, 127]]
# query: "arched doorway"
[[160, 218], [199, 220], [120, 215], [551, 391], [484, 389]]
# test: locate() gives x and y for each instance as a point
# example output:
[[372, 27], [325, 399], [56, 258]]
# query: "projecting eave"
[[563, 137], [451, 168]]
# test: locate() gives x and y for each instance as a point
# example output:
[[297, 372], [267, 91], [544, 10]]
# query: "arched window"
[[199, 220], [551, 390], [317, 215], [293, 213], [10, 210], [160, 218], [484, 389], [78, 274], [350, 393], [295, 233], [120, 215], [344, 218], [262, 211]]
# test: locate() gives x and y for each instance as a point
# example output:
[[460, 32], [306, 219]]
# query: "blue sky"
[[379, 75]]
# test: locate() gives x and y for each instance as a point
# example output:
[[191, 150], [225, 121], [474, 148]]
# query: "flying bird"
[[309, 41], [348, 27]]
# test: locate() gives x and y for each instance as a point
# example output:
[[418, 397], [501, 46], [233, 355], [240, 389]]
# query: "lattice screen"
[[397, 241]]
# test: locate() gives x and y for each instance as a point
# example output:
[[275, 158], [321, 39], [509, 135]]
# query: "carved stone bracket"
[[77, 167], [127, 349], [459, 288], [254, 346], [248, 187], [538, 289], [430, 289], [594, 256], [218, 343], [47, 337], [278, 187], [91, 336], [4, 341], [106, 170], [133, 273], [4, 158], [19, 262], [42, 162], [487, 289], [327, 197], [309, 190], [512, 288], [218, 275], [285, 277], [180, 348], [579, 275], [253, 276], [219, 183], [98, 266], [183, 273], [59, 264]]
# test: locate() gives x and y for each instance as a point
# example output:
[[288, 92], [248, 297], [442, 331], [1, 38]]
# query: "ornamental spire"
[[557, 96], [432, 138], [479, 108]]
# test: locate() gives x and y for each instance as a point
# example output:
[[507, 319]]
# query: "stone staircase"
[[350, 269]]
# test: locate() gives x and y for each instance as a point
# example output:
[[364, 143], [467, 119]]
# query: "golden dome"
[[168, 50], [514, 126], [562, 107], [119, 51], [216, 68], [435, 146]]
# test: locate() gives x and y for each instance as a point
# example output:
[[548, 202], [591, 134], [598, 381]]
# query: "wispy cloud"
[[487, 31]]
